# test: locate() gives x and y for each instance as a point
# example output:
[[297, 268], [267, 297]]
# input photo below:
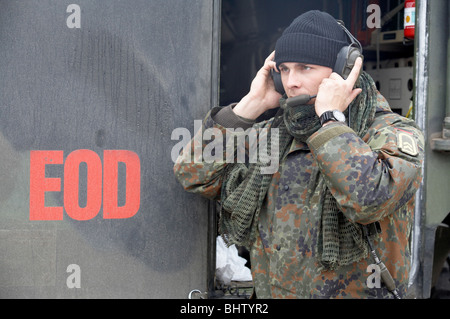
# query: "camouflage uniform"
[[372, 179]]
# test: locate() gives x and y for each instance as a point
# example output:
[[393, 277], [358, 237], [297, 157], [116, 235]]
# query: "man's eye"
[[306, 67]]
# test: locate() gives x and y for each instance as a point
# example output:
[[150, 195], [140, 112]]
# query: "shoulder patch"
[[406, 143]]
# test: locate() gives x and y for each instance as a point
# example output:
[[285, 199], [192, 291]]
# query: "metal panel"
[[123, 79], [437, 164], [432, 201]]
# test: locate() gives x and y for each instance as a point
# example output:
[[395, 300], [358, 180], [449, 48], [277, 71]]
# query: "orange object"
[[410, 19]]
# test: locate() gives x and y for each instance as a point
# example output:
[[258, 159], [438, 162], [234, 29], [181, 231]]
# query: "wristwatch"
[[334, 115]]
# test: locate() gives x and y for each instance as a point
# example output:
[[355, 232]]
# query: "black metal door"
[[89, 96]]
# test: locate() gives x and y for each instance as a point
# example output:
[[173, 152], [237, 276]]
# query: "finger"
[[270, 61], [354, 94], [273, 65], [354, 74], [270, 57], [268, 66]]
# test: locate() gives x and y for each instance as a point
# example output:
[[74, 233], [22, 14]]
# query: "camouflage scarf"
[[244, 188]]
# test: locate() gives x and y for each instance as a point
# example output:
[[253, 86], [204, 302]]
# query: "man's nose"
[[293, 80]]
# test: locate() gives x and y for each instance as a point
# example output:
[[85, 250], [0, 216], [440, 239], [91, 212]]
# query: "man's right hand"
[[262, 95]]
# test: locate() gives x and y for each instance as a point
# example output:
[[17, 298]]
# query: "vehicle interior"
[[250, 28]]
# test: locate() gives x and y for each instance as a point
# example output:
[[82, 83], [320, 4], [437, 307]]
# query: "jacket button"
[[286, 187], [278, 247]]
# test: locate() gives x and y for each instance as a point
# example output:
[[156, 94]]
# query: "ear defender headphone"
[[345, 60], [347, 56]]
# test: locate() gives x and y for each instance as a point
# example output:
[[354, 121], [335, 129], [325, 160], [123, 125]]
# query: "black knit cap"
[[314, 37]]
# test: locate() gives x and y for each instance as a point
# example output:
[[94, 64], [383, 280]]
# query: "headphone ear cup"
[[353, 54], [345, 60], [276, 77], [341, 61]]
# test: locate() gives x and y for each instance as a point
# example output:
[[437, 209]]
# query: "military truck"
[[95, 97]]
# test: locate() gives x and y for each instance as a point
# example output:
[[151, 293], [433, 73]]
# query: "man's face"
[[300, 78]]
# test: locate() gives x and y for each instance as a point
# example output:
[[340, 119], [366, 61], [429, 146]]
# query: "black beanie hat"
[[314, 37]]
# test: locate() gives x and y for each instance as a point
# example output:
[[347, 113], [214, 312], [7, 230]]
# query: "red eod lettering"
[[102, 184]]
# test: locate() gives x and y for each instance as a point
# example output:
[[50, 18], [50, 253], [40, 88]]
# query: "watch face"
[[339, 116]]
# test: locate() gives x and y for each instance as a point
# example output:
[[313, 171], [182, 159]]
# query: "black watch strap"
[[327, 116], [334, 115]]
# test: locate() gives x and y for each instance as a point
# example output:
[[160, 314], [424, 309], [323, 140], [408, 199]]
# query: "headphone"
[[345, 59]]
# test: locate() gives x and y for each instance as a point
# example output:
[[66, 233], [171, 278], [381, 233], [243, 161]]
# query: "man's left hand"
[[335, 93]]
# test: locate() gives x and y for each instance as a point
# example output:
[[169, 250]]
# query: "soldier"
[[345, 161]]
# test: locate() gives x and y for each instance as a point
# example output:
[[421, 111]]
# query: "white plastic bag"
[[229, 265]]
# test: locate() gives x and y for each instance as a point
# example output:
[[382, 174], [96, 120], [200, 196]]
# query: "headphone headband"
[[352, 38]]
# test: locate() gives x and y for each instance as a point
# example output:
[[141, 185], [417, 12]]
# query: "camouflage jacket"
[[373, 179]]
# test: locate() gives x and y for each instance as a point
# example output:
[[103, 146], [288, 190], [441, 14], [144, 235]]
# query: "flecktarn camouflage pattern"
[[372, 179]]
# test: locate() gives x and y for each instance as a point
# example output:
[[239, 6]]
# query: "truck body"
[[98, 97]]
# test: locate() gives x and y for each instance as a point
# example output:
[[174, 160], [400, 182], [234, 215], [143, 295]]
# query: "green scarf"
[[244, 188]]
